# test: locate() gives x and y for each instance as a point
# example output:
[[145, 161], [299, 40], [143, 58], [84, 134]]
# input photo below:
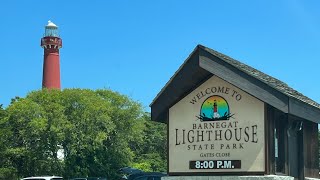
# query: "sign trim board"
[[217, 128]]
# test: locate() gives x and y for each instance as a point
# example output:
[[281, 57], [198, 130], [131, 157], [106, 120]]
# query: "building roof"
[[204, 62], [269, 80]]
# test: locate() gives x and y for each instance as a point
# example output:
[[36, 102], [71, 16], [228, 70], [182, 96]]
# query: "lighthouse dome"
[[51, 24]]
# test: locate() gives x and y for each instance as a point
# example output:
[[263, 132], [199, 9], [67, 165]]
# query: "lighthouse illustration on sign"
[[214, 108]]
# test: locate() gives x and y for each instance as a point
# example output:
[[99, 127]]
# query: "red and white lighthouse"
[[51, 43]]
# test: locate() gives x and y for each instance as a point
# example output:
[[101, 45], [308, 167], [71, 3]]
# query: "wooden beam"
[[293, 154], [270, 118], [243, 81], [311, 157], [188, 77], [301, 154], [303, 110]]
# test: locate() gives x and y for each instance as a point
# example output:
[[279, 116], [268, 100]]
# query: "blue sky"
[[134, 47]]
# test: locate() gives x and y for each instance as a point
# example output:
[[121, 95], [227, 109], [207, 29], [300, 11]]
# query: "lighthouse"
[[215, 110], [51, 43]]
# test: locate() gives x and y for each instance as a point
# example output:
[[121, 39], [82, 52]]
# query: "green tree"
[[31, 137], [94, 133], [7, 171], [152, 152]]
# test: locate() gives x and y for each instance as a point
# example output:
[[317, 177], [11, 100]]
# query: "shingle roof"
[[196, 69], [270, 81]]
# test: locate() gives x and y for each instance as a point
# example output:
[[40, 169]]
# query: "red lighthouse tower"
[[51, 43]]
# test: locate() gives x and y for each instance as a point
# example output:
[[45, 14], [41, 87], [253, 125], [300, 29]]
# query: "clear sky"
[[134, 47]]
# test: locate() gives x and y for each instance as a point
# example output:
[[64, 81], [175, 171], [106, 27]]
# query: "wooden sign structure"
[[227, 118]]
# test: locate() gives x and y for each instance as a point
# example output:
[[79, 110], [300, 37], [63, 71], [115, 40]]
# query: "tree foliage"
[[78, 133], [152, 151], [7, 171]]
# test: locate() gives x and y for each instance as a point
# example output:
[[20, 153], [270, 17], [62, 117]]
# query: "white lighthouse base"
[[268, 177]]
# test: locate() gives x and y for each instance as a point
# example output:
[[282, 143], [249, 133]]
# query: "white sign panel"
[[217, 128]]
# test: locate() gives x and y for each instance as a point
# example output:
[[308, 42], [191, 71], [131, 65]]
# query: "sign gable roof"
[[204, 62], [271, 81]]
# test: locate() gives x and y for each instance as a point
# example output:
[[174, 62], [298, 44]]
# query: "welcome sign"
[[217, 128]]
